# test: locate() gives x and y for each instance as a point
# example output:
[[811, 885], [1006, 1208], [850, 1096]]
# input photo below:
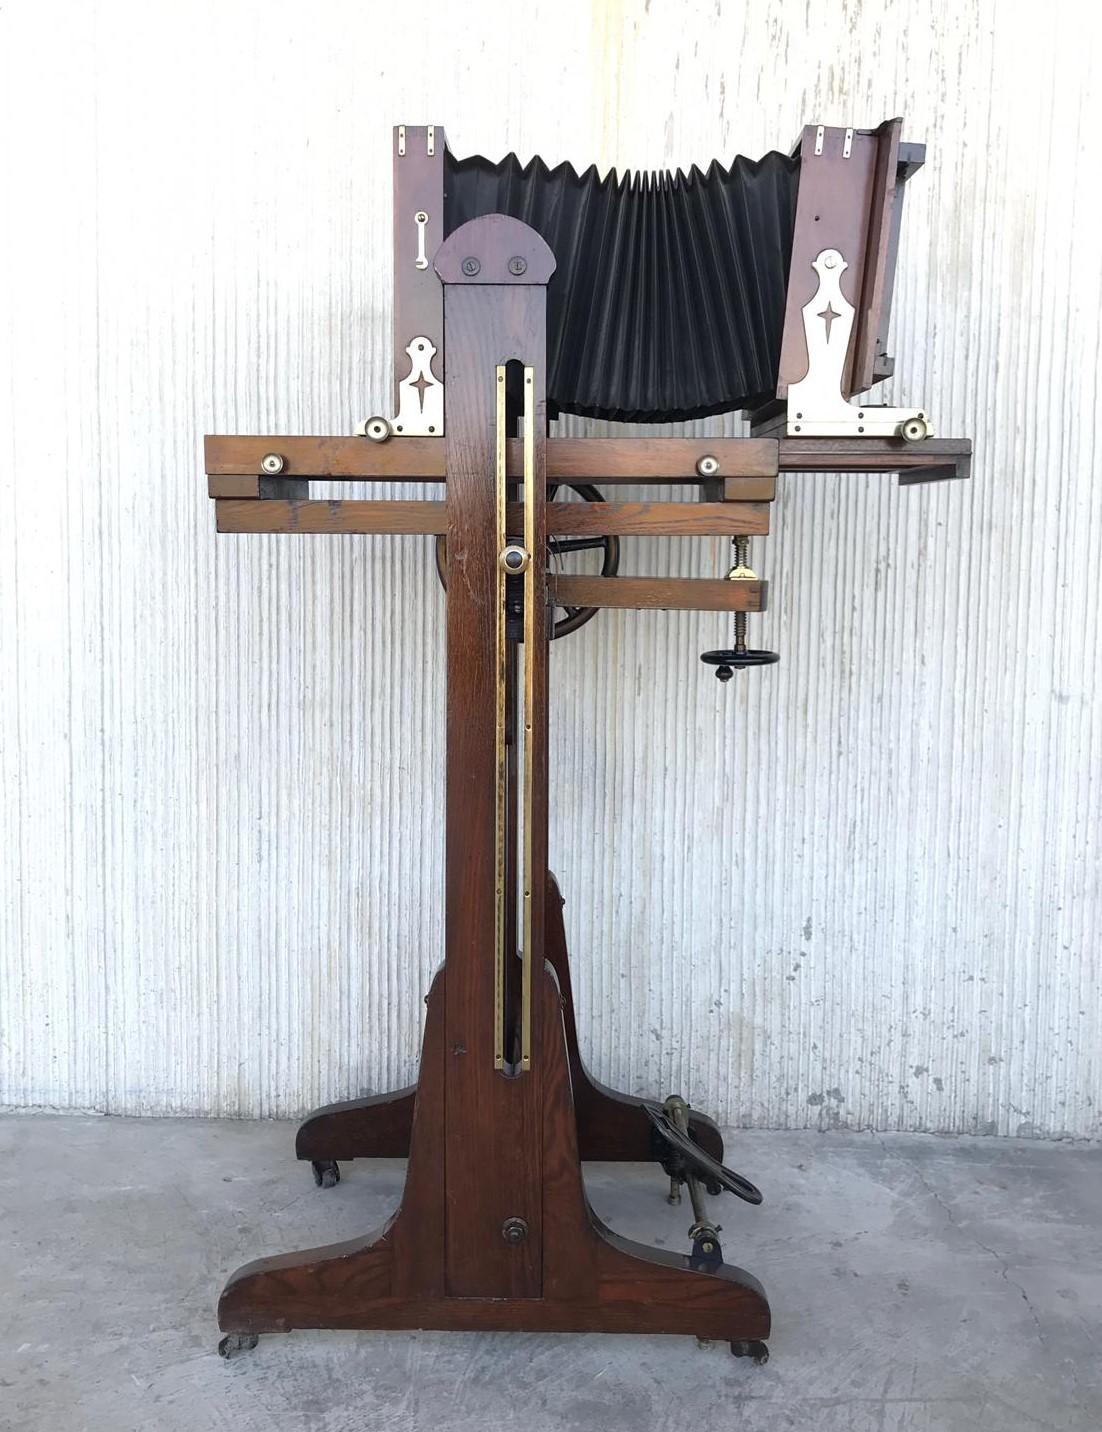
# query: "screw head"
[[518, 265], [271, 463], [707, 466], [471, 266], [514, 1230]]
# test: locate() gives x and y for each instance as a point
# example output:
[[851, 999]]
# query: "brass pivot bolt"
[[707, 466], [471, 266], [271, 463], [514, 1230]]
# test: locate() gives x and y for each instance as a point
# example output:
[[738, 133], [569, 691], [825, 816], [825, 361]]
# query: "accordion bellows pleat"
[[668, 298]]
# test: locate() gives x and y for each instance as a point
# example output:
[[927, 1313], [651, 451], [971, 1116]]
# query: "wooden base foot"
[[631, 1289], [611, 1126], [373, 1128], [589, 1279]]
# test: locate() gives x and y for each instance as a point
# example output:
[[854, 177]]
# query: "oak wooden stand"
[[494, 1229]]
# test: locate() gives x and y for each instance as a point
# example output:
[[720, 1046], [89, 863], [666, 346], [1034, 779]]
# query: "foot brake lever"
[[683, 1158]]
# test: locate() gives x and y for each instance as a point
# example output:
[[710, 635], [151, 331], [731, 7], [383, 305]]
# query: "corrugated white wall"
[[861, 888]]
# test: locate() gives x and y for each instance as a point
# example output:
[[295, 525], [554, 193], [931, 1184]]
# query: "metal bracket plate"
[[420, 400], [420, 395], [816, 405]]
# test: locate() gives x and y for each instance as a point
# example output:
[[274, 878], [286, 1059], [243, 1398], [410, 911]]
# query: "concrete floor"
[[917, 1283]]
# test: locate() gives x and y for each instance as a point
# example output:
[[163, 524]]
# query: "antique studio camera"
[[522, 292]]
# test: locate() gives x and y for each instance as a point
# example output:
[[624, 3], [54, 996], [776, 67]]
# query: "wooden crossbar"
[[564, 519], [747, 467], [692, 594], [603, 460]]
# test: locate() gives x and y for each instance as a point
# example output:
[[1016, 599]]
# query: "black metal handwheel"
[[327, 1174], [558, 547], [728, 662]]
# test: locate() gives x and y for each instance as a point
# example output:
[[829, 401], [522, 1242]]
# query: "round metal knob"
[[271, 463], [377, 429], [514, 560], [514, 1230], [708, 466], [914, 430]]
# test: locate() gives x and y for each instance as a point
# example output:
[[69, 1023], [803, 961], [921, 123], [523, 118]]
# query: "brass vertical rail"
[[500, 768], [535, 560]]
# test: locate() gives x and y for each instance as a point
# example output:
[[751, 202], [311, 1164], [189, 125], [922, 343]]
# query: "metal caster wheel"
[[326, 1173], [377, 429], [234, 1344], [755, 1349], [914, 430]]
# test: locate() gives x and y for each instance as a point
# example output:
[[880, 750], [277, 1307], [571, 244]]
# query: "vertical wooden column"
[[495, 272]]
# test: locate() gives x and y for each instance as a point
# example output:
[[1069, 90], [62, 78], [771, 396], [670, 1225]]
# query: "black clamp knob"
[[728, 662]]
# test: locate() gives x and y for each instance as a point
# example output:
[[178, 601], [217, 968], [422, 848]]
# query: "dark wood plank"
[[418, 297], [422, 459], [333, 458], [875, 284], [598, 460], [658, 519], [861, 454], [564, 519], [604, 460], [691, 594], [321, 516]]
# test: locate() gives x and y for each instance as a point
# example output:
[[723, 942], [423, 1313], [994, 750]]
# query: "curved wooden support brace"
[[592, 1279], [376, 1127], [611, 1126]]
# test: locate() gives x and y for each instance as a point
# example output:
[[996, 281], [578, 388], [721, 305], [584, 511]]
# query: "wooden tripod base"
[[611, 1126], [589, 1278]]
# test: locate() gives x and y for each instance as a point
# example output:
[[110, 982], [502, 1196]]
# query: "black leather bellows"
[[668, 298]]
